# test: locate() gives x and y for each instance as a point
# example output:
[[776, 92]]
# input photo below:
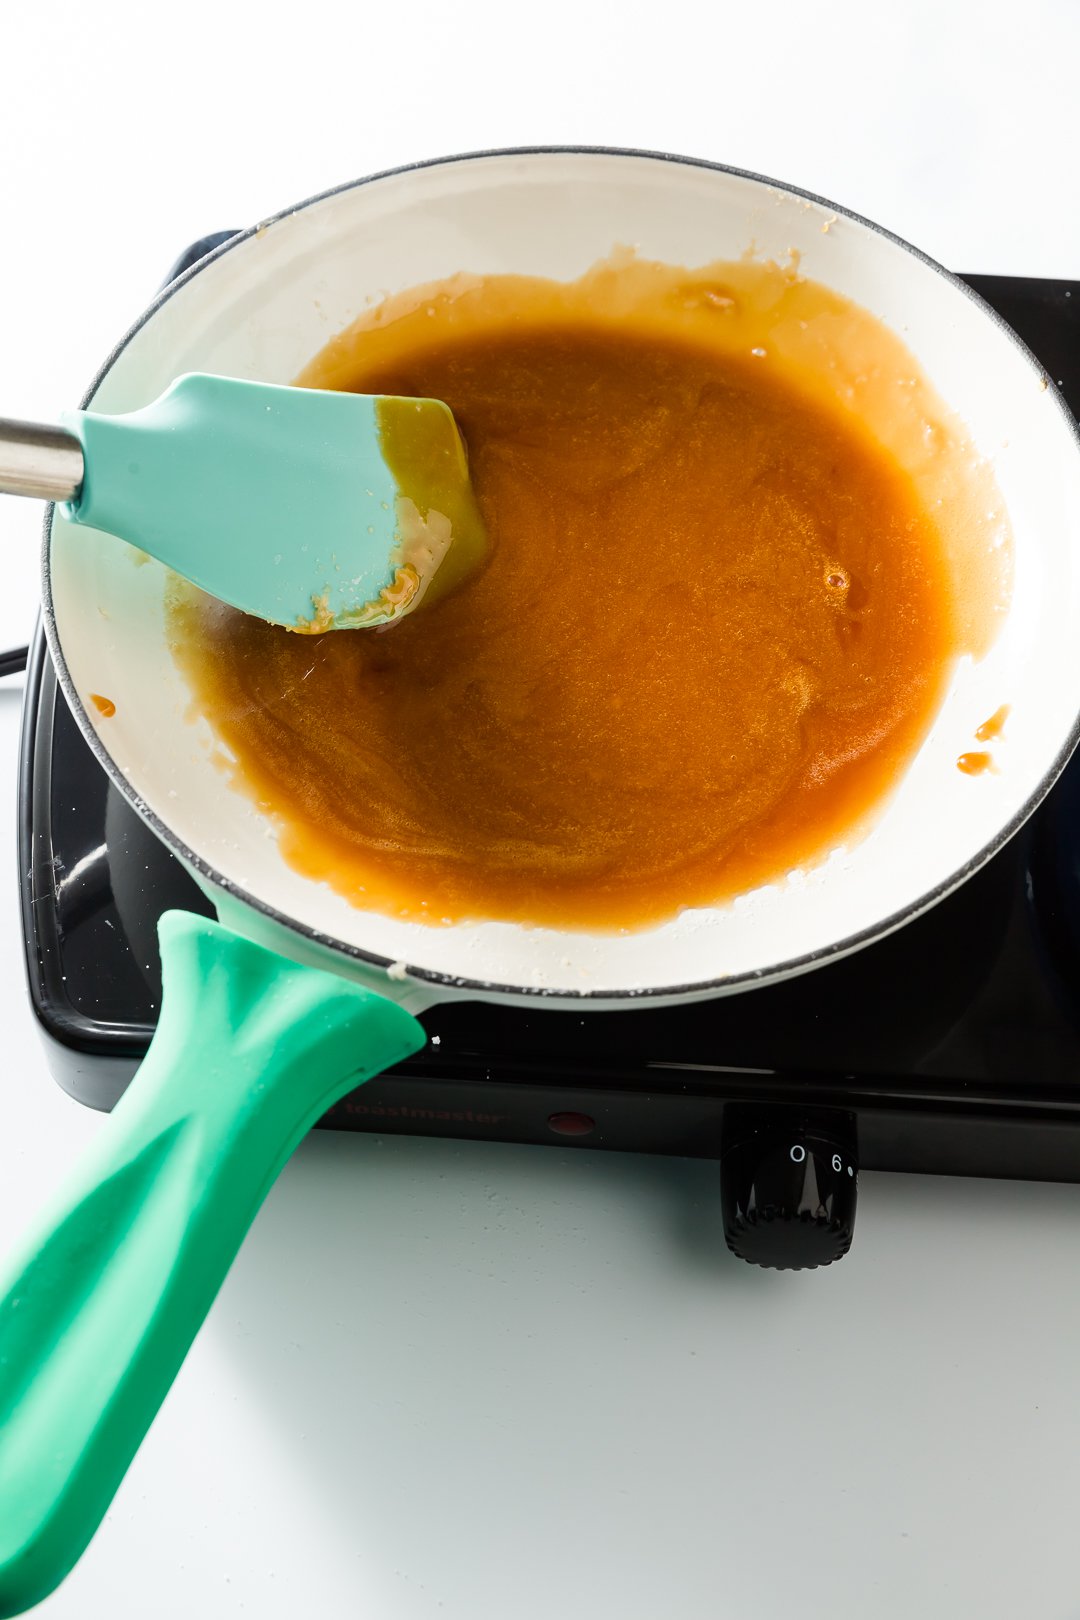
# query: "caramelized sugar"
[[717, 618], [994, 726]]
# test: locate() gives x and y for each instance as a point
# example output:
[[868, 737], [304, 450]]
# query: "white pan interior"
[[263, 307]]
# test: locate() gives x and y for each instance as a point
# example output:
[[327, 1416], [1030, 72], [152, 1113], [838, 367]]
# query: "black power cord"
[[13, 662]]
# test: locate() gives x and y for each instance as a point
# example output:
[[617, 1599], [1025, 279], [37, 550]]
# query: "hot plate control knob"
[[789, 1192]]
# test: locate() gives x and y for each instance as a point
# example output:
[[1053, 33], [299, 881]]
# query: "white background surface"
[[453, 1382]]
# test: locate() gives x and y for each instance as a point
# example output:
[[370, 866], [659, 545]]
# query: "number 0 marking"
[[798, 1153]]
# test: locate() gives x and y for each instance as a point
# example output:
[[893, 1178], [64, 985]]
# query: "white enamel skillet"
[[252, 1048]]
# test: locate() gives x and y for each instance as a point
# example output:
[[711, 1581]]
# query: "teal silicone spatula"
[[315, 510], [99, 1311]]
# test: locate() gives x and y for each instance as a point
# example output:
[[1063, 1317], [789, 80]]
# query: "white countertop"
[[457, 1382]]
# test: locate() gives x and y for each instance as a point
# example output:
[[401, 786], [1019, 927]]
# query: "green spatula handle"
[[43, 462], [99, 1314]]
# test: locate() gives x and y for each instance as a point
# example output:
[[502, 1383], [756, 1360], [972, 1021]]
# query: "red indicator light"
[[571, 1124]]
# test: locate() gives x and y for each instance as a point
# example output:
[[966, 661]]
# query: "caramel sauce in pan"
[[104, 706], [975, 764], [727, 535]]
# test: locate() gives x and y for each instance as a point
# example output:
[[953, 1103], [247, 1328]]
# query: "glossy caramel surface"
[[716, 620]]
